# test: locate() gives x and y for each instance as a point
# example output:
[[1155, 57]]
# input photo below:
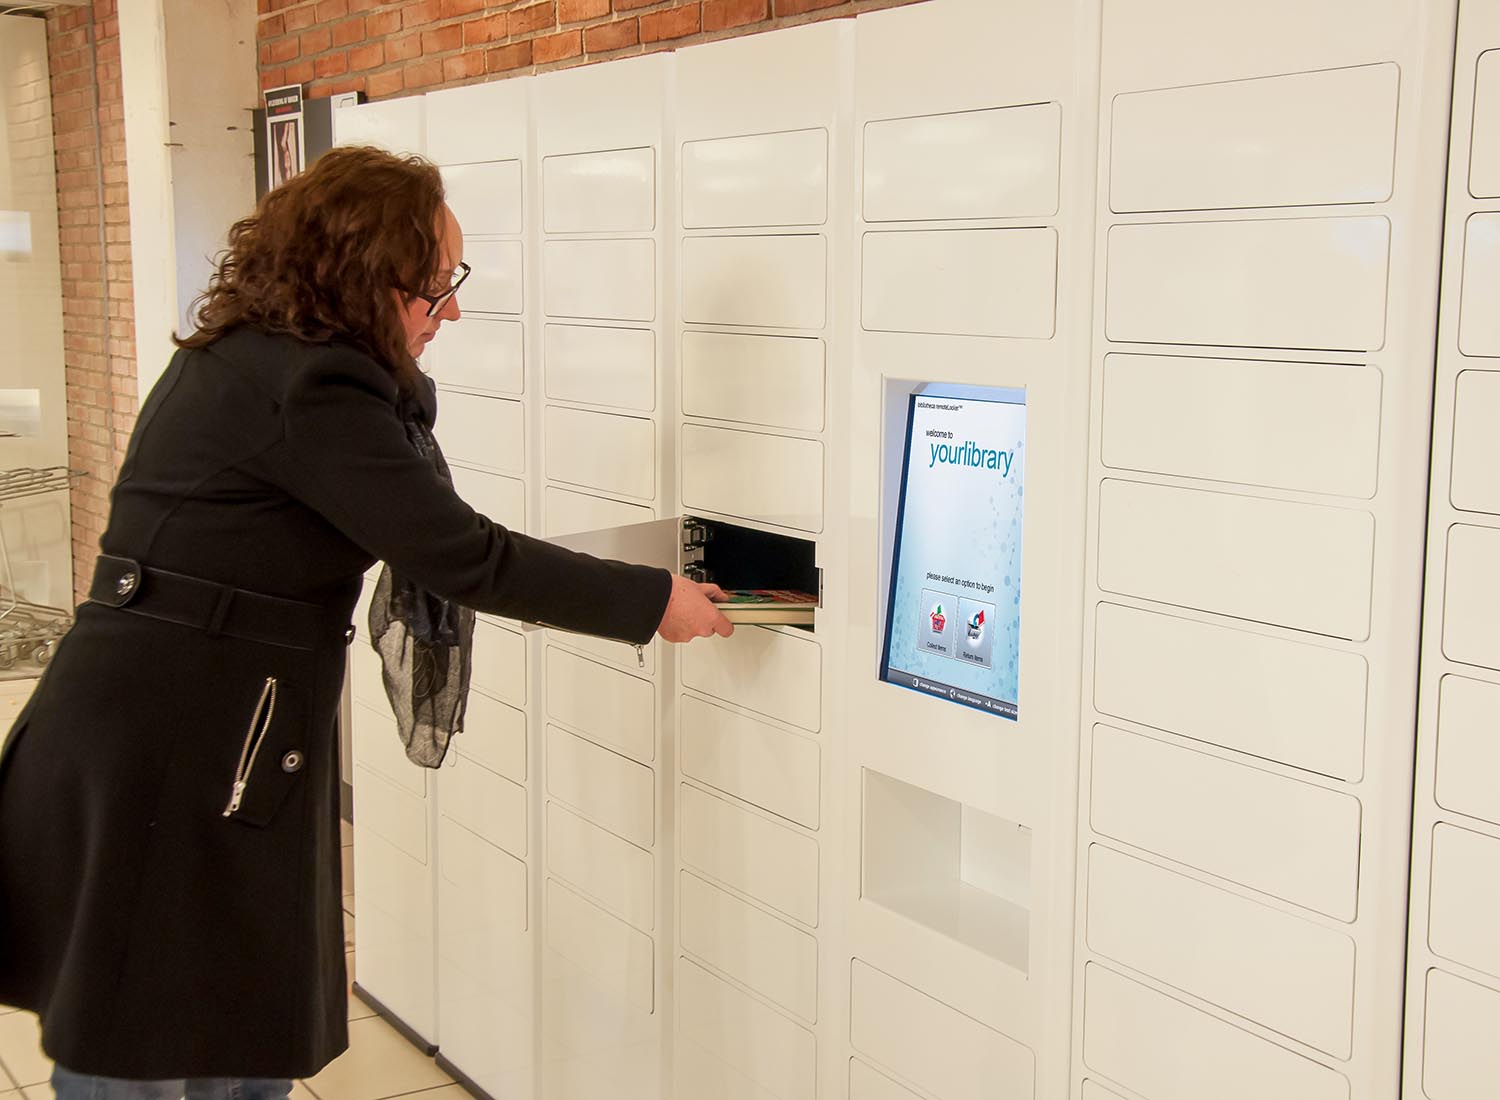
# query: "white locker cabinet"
[[495, 281], [594, 365], [1468, 752], [494, 736], [773, 479], [612, 953], [1484, 157], [753, 761], [1267, 249], [610, 707], [778, 1055], [484, 432], [755, 180], [486, 354], [609, 789], [603, 451], [485, 198], [612, 871], [751, 854], [1476, 455], [774, 381], [1478, 329], [612, 191]]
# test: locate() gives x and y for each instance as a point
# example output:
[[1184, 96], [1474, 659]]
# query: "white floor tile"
[[379, 1063], [21, 1049], [442, 1092], [37, 1092], [301, 1092], [348, 932]]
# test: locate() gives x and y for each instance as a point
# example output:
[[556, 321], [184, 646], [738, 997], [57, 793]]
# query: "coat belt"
[[214, 608]]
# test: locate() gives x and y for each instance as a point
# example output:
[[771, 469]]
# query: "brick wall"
[[385, 49], [93, 203]]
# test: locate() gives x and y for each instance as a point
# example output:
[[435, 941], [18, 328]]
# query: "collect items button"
[[937, 625], [976, 632]]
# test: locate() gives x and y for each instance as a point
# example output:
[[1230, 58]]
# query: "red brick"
[[349, 31], [504, 59], [451, 8], [534, 17], [556, 47], [383, 22], [576, 11], [611, 36], [329, 10], [301, 73], [443, 40], [316, 41], [367, 57], [424, 74], [463, 66], [403, 47], [631, 5], [270, 26], [299, 19], [492, 28], [331, 65], [279, 52], [419, 14], [673, 23], [366, 5], [386, 83], [720, 15]]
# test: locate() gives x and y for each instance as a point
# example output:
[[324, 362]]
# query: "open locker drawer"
[[773, 579]]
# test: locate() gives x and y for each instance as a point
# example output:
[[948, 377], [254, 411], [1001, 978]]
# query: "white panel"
[[1465, 904], [609, 192], [759, 1042], [499, 667], [774, 479], [1468, 753], [749, 945], [394, 125], [610, 707], [601, 366], [391, 813], [483, 431], [616, 955], [772, 380], [377, 745], [764, 670], [1297, 704], [1298, 283], [1159, 1047], [1288, 974], [1000, 163], [769, 282], [1471, 600], [1257, 142], [748, 853], [486, 198], [452, 136], [1289, 839], [601, 451], [762, 179], [612, 871], [499, 499], [479, 353], [769, 767], [699, 1073], [485, 802], [1475, 485], [932, 1045], [1484, 158], [968, 282], [1299, 565], [497, 878], [366, 684], [610, 789], [1216, 419], [567, 513], [614, 279], [1461, 1060], [1478, 319], [495, 281], [494, 735], [866, 1084], [1094, 1091]]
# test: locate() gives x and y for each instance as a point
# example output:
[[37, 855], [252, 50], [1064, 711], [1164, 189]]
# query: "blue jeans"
[[76, 1086]]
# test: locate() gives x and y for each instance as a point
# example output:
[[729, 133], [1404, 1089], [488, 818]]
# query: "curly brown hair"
[[320, 255]]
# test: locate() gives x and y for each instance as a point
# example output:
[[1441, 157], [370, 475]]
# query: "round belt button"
[[126, 584], [291, 762]]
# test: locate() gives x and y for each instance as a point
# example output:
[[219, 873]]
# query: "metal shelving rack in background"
[[29, 632]]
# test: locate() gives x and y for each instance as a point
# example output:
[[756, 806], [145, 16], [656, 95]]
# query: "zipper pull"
[[236, 798], [640, 656]]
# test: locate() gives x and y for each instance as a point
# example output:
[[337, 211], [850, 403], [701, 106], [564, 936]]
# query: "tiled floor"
[[378, 1064]]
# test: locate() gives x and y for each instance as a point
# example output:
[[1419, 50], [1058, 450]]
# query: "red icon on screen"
[[939, 620]]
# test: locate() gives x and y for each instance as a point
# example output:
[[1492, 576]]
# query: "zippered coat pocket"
[[271, 756]]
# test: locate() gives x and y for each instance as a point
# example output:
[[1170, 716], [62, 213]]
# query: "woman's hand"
[[691, 613]]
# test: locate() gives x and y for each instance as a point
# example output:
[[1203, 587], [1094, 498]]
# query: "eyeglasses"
[[436, 302]]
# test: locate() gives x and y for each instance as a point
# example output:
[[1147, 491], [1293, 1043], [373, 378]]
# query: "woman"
[[169, 835]]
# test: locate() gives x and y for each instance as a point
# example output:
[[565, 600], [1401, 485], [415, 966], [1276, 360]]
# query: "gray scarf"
[[425, 642]]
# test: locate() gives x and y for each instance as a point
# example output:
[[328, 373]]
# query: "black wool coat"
[[155, 936]]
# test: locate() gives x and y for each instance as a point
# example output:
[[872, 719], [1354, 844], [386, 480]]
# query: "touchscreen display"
[[953, 615]]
